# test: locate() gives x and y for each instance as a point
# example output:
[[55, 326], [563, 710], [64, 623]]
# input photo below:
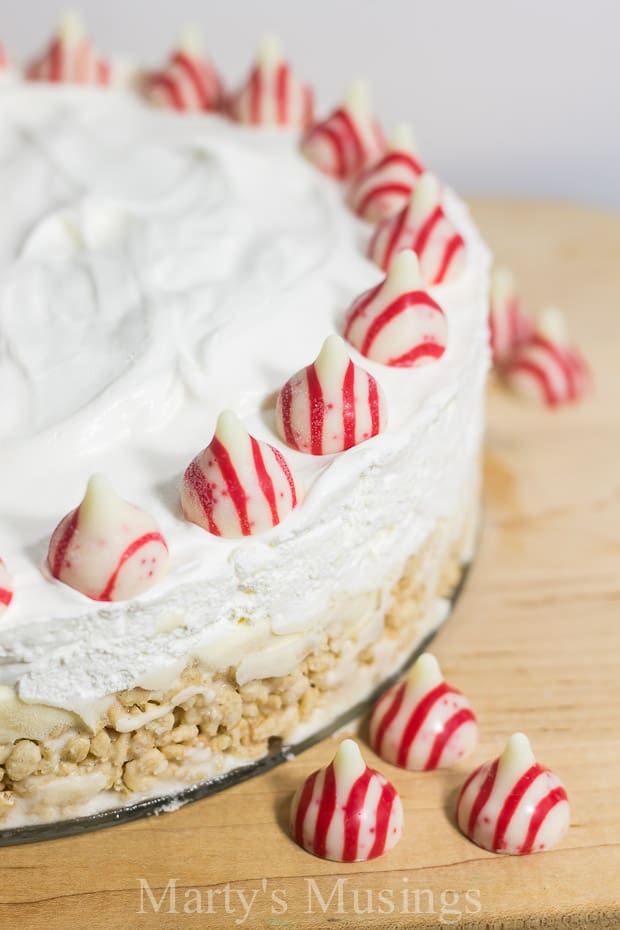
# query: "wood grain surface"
[[534, 642]]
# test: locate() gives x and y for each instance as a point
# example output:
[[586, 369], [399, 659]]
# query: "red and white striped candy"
[[331, 404], [386, 186], [238, 486], [71, 58], [423, 226], [6, 588], [513, 805], [188, 82], [509, 324], [4, 62], [548, 368], [107, 548], [423, 723], [397, 322], [348, 140], [347, 812], [273, 95]]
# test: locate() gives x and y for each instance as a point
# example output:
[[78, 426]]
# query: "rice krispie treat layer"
[[151, 742]]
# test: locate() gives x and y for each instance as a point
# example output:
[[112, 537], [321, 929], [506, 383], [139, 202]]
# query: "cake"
[[241, 424]]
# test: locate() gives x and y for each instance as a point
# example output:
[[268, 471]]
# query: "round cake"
[[242, 386]]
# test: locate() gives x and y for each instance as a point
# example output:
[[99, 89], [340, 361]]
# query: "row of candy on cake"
[[111, 550], [349, 144], [389, 187], [348, 812]]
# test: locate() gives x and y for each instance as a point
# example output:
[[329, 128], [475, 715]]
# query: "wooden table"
[[534, 642]]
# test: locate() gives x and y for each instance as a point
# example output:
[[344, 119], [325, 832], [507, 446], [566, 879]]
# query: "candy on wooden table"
[[347, 812], [548, 368], [510, 325], [513, 804], [422, 722]]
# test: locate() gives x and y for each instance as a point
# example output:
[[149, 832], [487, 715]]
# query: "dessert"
[[423, 723], [349, 139], [158, 268], [272, 95], [510, 325], [330, 405], [513, 804], [547, 368], [188, 82], [6, 588], [422, 225], [107, 548], [347, 812], [385, 187], [397, 322], [238, 486], [71, 58]]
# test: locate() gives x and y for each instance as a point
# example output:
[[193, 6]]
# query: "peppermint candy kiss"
[[423, 226], [189, 82], [238, 486], [548, 368], [330, 405], [273, 94], [513, 805], [347, 812], [384, 188], [423, 723], [107, 548], [6, 588], [71, 57], [397, 322], [349, 139], [509, 324]]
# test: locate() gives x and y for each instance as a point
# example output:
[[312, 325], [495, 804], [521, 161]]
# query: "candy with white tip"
[[107, 548], [397, 322], [509, 323], [330, 405], [238, 485], [188, 82], [512, 804], [71, 57], [6, 588], [548, 368], [422, 225], [272, 95], [385, 187], [423, 723], [347, 812], [349, 139]]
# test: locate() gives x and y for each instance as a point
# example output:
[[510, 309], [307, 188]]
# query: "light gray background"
[[517, 97]]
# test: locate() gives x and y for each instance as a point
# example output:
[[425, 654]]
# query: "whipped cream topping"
[[154, 270]]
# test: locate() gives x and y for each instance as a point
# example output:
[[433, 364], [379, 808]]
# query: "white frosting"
[[155, 269]]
